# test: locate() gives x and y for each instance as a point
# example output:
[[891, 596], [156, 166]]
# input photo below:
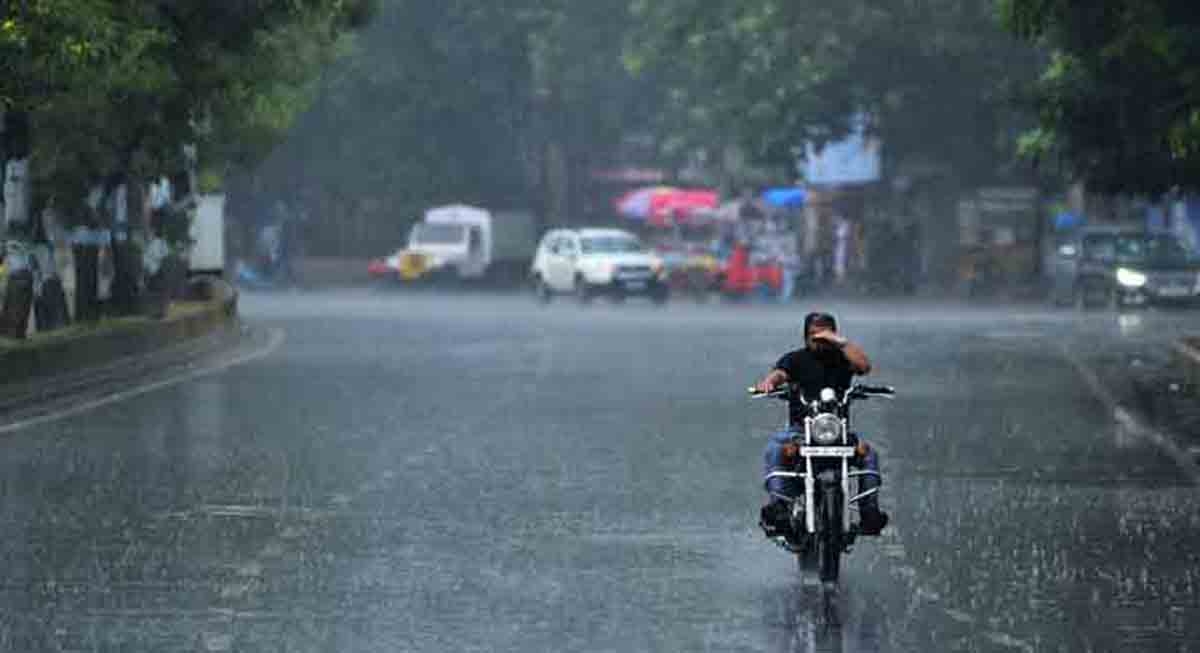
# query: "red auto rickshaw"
[[741, 277]]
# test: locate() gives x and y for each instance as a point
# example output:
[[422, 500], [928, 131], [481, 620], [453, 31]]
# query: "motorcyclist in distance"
[[828, 360]]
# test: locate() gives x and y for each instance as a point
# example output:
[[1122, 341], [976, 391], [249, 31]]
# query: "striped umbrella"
[[637, 204]]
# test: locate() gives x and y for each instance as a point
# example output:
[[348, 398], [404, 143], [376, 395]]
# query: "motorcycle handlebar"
[[779, 392], [877, 390], [858, 391]]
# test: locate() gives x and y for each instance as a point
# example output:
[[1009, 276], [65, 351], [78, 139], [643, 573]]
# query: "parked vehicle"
[[1118, 267], [593, 262], [820, 529], [692, 267], [207, 232], [462, 243]]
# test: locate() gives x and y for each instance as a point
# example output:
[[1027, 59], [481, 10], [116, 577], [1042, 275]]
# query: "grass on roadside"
[[105, 325]]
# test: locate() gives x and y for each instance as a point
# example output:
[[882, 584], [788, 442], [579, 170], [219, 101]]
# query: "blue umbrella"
[[789, 198], [1068, 220]]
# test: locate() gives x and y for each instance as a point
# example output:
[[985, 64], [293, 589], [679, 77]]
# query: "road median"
[[80, 347]]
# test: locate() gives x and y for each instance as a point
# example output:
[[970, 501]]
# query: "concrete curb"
[[72, 354]]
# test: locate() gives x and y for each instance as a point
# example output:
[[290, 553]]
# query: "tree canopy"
[[459, 101], [940, 80], [1120, 100], [118, 87]]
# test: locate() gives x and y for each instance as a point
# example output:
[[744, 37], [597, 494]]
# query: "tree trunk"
[[50, 301], [87, 282], [14, 318], [51, 305], [18, 298], [126, 257]]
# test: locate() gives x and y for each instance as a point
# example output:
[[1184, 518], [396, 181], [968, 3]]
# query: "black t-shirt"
[[810, 372]]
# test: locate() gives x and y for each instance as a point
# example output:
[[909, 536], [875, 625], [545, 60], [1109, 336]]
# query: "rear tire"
[[829, 536], [583, 292], [542, 291]]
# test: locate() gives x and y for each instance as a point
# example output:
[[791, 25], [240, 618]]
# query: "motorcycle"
[[819, 529]]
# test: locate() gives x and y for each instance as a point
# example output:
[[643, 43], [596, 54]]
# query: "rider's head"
[[816, 323]]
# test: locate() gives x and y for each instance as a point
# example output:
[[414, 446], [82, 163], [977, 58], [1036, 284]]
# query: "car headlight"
[[1130, 278], [826, 429]]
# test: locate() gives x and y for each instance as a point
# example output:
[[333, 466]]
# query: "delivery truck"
[[465, 244]]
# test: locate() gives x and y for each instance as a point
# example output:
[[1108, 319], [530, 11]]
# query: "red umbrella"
[[677, 206], [637, 203]]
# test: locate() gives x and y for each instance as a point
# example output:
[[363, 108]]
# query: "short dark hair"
[[819, 319]]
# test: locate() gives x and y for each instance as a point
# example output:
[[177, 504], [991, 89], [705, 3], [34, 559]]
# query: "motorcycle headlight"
[[1130, 278], [826, 429]]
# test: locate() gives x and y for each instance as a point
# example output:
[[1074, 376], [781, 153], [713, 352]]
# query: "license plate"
[[1175, 291], [828, 452], [635, 285]]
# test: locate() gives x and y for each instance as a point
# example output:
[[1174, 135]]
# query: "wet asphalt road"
[[422, 473]]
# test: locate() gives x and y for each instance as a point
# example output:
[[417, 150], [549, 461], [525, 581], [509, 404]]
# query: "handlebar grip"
[[877, 389], [779, 391]]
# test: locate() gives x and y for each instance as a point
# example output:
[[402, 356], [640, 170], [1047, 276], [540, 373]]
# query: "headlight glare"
[[1130, 278]]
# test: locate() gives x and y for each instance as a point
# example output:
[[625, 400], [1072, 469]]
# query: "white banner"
[[16, 192]]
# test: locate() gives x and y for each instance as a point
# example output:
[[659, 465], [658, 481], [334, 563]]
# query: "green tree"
[[1120, 99], [52, 52], [115, 91], [489, 103], [940, 79]]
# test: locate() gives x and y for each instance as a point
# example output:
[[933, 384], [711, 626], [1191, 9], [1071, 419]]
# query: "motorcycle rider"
[[828, 360]]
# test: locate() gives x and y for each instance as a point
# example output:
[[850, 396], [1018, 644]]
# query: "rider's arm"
[[772, 380], [859, 363]]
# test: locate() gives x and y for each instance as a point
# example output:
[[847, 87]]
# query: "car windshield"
[[611, 245], [1136, 248], [438, 234]]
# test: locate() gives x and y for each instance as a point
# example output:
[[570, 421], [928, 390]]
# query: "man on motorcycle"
[[828, 360]]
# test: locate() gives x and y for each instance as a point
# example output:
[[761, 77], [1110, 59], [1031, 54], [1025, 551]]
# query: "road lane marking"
[[1129, 420], [276, 338]]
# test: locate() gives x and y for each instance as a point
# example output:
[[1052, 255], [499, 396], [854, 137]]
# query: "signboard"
[[208, 235], [852, 160], [998, 216]]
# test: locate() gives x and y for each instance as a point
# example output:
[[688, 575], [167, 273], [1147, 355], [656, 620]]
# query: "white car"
[[591, 262]]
